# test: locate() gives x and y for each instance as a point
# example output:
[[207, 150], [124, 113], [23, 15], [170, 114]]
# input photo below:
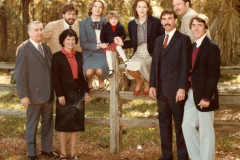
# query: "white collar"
[[170, 34], [65, 24], [95, 20], [35, 43], [199, 41]]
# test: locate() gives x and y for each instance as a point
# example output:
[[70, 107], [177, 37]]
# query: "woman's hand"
[[62, 100], [103, 45], [86, 97], [118, 41]]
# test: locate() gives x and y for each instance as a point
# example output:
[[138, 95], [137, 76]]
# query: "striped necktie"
[[40, 50]]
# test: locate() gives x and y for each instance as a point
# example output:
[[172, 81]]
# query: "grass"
[[227, 144]]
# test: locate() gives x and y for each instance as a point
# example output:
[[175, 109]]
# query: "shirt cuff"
[[206, 100]]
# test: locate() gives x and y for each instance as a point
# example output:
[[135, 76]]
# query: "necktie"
[[96, 25], [40, 50], [165, 42], [70, 27], [194, 45]]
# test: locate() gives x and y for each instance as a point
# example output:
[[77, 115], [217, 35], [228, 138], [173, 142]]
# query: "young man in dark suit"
[[169, 82], [34, 85], [203, 93]]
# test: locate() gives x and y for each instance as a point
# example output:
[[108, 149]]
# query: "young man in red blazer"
[[203, 93]]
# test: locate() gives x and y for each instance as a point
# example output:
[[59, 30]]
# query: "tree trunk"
[[25, 15], [3, 27]]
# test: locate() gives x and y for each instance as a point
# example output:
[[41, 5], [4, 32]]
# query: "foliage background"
[[224, 18]]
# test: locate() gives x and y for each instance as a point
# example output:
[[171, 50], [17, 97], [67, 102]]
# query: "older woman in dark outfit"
[[143, 31], [70, 87]]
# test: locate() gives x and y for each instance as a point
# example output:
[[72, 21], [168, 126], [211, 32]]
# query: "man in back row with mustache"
[[184, 10]]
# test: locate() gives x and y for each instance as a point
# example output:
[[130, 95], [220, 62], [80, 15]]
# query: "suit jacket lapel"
[[36, 53], [47, 55], [134, 32], [172, 41], [149, 27], [201, 49], [90, 28]]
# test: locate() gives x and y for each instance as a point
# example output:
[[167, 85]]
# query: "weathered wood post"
[[115, 108]]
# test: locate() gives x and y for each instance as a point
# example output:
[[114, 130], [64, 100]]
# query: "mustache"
[[167, 25]]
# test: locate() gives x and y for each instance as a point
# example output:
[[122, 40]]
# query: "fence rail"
[[116, 121]]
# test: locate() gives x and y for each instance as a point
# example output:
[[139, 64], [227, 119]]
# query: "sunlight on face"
[[142, 9]]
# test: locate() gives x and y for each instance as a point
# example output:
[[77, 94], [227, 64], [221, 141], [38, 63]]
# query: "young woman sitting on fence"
[[143, 31]]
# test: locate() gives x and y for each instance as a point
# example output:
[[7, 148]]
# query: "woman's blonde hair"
[[112, 14], [134, 6], [90, 6]]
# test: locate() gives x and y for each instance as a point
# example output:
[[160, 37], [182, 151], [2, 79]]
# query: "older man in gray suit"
[[33, 77]]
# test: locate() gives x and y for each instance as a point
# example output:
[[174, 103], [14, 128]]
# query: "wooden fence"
[[116, 121]]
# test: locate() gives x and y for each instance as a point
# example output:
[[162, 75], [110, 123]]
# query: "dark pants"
[[34, 112], [166, 109]]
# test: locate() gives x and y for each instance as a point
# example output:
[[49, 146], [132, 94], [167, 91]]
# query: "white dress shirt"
[[36, 44], [66, 25], [170, 34], [199, 41]]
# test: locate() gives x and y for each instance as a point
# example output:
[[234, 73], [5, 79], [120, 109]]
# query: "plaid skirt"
[[111, 47]]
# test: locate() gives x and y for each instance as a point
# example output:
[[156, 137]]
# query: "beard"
[[68, 21]]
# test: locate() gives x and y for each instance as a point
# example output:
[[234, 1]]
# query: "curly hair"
[[67, 33], [134, 6], [90, 6], [69, 7]]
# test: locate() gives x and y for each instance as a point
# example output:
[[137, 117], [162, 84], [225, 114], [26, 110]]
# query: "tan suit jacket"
[[51, 35], [184, 28]]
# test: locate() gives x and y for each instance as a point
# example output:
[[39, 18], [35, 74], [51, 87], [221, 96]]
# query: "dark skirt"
[[70, 118]]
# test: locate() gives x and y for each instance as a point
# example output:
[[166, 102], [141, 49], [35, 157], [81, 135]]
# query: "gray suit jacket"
[[33, 75], [88, 39]]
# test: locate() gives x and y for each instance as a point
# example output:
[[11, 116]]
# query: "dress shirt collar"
[[35, 43], [170, 34], [95, 20], [66, 25], [136, 20], [199, 41]]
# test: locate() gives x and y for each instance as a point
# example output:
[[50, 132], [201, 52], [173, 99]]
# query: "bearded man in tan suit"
[[53, 29]]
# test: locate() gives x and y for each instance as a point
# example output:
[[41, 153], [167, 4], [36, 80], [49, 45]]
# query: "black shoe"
[[125, 64], [50, 154], [111, 74], [32, 158]]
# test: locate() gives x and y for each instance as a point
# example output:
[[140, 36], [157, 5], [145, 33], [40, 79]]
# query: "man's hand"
[[62, 100], [25, 101], [118, 41], [180, 95], [203, 104], [22, 44], [152, 93], [86, 97]]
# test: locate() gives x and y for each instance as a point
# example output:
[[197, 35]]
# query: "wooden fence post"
[[115, 108]]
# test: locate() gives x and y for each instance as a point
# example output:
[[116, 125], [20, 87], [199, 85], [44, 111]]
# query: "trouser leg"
[[46, 127], [33, 115]]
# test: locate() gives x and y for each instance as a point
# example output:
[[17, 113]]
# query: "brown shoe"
[[136, 93], [145, 93]]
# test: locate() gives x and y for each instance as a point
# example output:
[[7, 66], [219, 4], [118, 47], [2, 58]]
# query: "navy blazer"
[[205, 75], [154, 30], [107, 34], [63, 81], [171, 66]]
